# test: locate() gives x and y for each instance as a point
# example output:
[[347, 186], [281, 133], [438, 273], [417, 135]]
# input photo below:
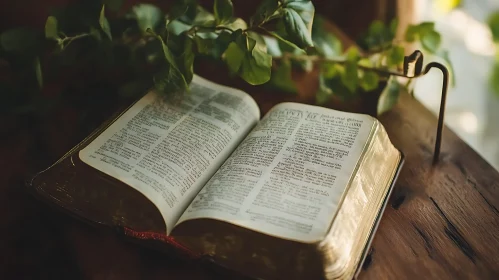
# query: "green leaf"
[[249, 60], [326, 44], [337, 86], [166, 52], [113, 5], [298, 19], [389, 96], [170, 70], [493, 22], [415, 32], [411, 33], [369, 81], [203, 46], [305, 9], [395, 56], [94, 32], [223, 10], [51, 30], [430, 41], [177, 27], [266, 10], [426, 33], [331, 70], [379, 36], [259, 40], [324, 93], [169, 80], [272, 46], [353, 54], [148, 16], [366, 62], [426, 26], [350, 77], [184, 10], [18, 39], [220, 44], [213, 46], [256, 67], [104, 24], [290, 44], [234, 56], [393, 27], [204, 18], [235, 24], [187, 59], [38, 72], [377, 28], [282, 77]]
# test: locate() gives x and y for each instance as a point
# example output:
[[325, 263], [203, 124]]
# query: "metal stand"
[[413, 68]]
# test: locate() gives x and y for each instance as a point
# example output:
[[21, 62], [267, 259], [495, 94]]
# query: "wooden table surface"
[[442, 221]]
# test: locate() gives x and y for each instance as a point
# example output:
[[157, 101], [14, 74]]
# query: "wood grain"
[[443, 221]]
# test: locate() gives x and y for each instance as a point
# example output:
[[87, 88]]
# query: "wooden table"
[[442, 221]]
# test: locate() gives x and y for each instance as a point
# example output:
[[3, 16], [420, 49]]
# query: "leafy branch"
[[282, 35]]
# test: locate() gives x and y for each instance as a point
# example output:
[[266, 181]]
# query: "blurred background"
[[473, 104]]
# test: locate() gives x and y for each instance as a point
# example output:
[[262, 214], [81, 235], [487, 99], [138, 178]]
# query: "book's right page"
[[289, 175]]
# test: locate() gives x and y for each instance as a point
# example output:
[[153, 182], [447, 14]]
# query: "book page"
[[289, 174], [168, 149]]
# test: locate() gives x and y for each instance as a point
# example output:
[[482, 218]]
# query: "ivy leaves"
[[104, 24], [170, 78], [219, 35], [147, 16], [188, 30], [168, 43], [389, 95], [223, 10], [424, 32], [379, 36], [249, 59], [431, 42], [395, 56], [294, 20], [51, 28], [298, 17]]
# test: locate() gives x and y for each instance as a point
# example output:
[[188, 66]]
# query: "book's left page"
[[167, 149]]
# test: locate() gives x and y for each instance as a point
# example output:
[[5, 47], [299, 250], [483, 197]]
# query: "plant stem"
[[318, 59], [196, 28], [221, 27], [66, 41]]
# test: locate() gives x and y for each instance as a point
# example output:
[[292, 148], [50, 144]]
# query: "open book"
[[297, 194]]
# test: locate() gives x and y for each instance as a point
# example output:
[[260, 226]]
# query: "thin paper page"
[[287, 177], [168, 150]]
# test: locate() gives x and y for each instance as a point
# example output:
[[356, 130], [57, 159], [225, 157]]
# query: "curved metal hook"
[[413, 68]]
